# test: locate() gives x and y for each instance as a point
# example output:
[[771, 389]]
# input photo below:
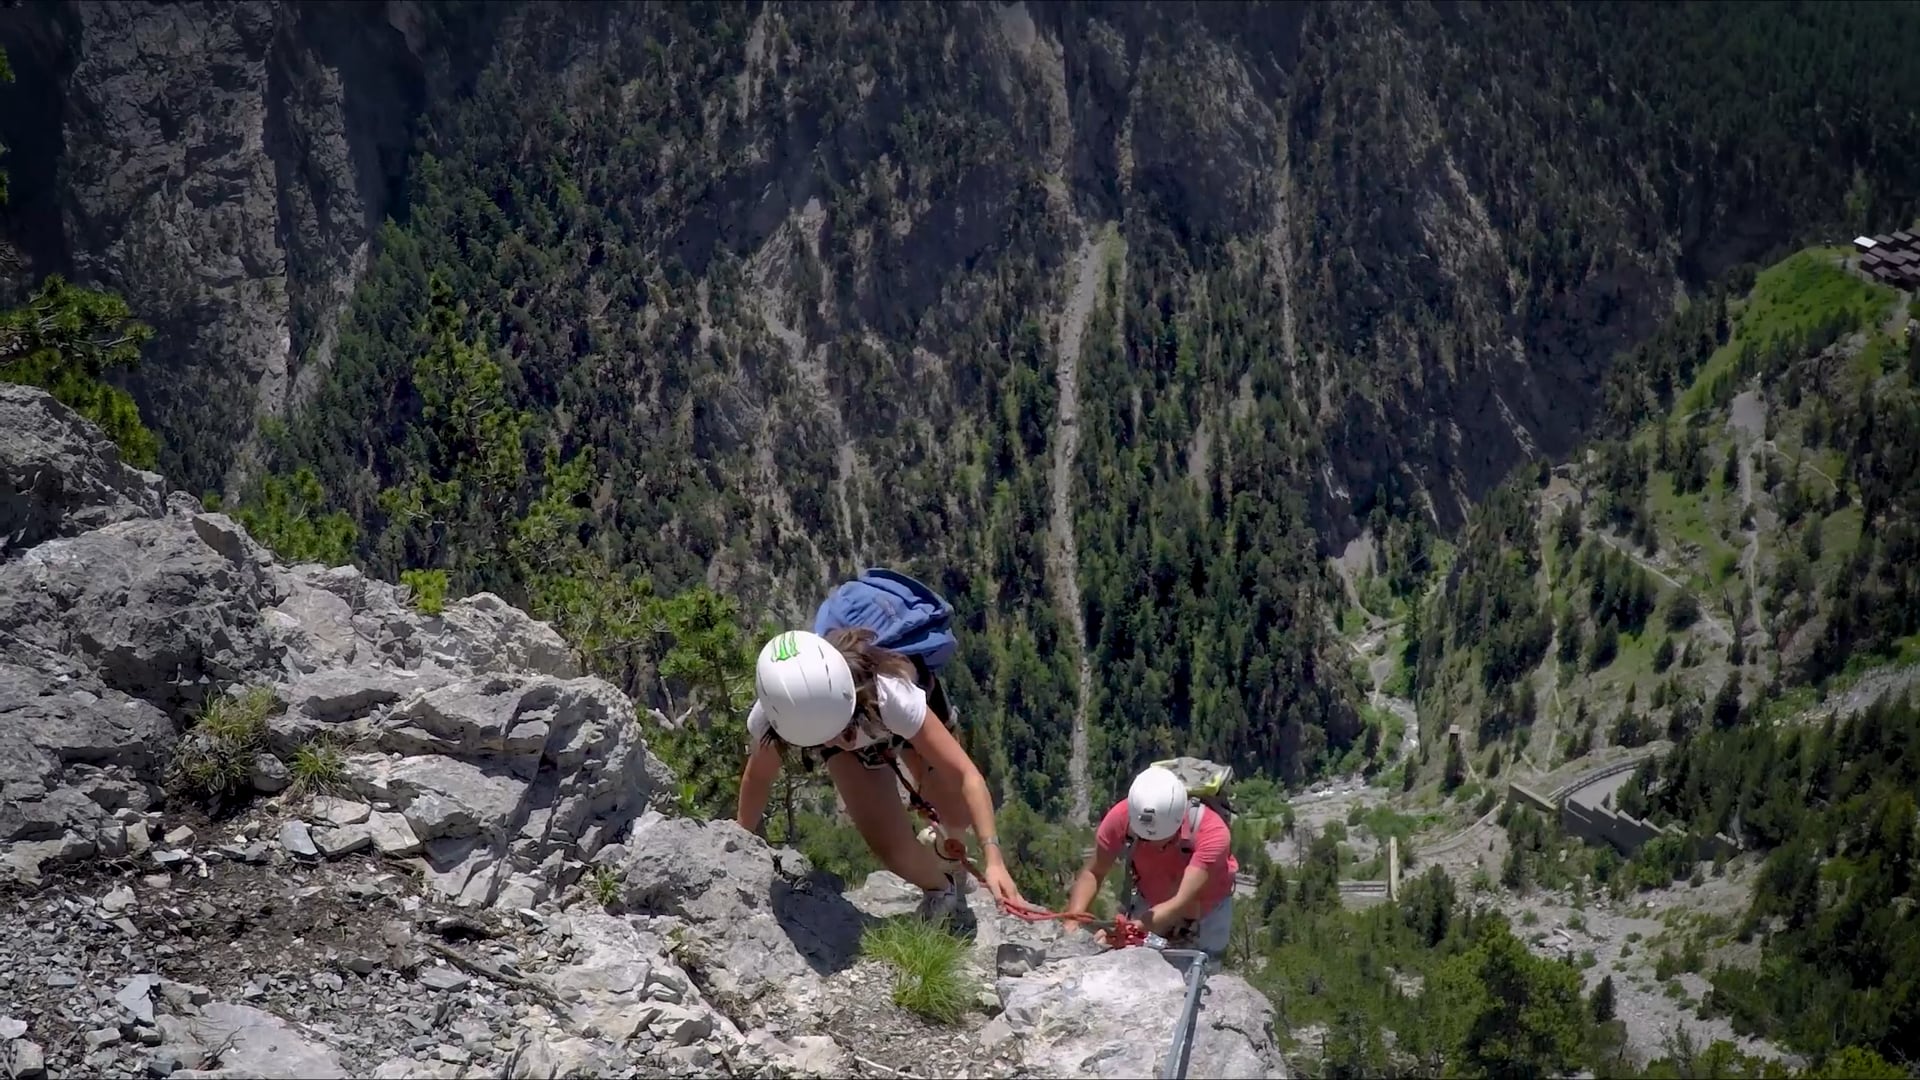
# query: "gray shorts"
[[1210, 933]]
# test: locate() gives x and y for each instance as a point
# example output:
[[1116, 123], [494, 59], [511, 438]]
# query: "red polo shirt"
[[1159, 865]]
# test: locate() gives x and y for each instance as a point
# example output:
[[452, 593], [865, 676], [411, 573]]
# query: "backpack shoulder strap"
[[1190, 827]]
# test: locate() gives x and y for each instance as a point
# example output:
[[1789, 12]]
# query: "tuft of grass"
[[316, 767], [928, 964], [606, 886], [215, 757]]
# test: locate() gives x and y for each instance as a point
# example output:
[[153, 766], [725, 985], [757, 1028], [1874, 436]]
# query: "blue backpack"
[[905, 616]]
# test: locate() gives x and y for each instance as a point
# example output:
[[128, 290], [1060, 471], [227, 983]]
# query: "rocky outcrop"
[[778, 945], [467, 748], [59, 477], [480, 749], [1099, 1015]]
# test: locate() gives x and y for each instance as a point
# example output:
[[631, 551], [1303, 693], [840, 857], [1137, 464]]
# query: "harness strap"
[[913, 793]]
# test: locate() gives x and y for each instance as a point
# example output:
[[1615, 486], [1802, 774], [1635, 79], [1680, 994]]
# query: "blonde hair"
[[867, 661]]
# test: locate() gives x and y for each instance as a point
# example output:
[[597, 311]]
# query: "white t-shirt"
[[903, 708]]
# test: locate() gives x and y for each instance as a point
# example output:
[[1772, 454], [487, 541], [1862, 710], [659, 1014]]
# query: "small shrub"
[[928, 964], [1665, 967], [216, 755], [429, 589], [1487, 799]]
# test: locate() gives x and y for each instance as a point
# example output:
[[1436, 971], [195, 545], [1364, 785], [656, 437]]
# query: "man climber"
[[1180, 864]]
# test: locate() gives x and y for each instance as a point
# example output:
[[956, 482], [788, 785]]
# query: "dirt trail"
[[1063, 553]]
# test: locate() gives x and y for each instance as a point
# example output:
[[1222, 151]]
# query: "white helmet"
[[1156, 803], [805, 686]]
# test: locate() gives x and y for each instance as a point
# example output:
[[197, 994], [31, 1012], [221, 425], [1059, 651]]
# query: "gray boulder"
[[1113, 1014], [338, 617], [506, 779], [71, 753], [766, 927], [343, 704], [59, 476], [148, 605], [252, 1044], [485, 633], [123, 610]]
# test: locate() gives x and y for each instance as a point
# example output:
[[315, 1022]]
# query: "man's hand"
[[1161, 918]]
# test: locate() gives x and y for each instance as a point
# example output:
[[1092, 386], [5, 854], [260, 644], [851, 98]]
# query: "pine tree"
[[66, 339], [1602, 1001]]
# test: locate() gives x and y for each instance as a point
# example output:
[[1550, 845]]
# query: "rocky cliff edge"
[[488, 884]]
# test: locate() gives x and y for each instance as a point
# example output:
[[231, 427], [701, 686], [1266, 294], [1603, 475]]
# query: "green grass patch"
[[1880, 356], [1392, 730], [1791, 296], [1839, 534], [1352, 622], [1723, 565], [1633, 660], [929, 966], [1680, 518], [605, 886]]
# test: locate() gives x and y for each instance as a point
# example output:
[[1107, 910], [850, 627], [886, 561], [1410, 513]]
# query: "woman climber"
[[863, 708]]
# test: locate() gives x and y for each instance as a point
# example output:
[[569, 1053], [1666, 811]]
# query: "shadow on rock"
[[822, 925], [766, 923]]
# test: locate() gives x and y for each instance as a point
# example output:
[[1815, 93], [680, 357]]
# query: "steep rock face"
[[978, 286], [224, 167]]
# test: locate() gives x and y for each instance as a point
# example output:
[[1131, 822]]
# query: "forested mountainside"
[[1113, 321], [1104, 318], [1754, 521]]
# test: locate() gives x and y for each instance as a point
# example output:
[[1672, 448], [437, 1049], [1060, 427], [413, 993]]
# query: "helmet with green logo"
[[805, 687]]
